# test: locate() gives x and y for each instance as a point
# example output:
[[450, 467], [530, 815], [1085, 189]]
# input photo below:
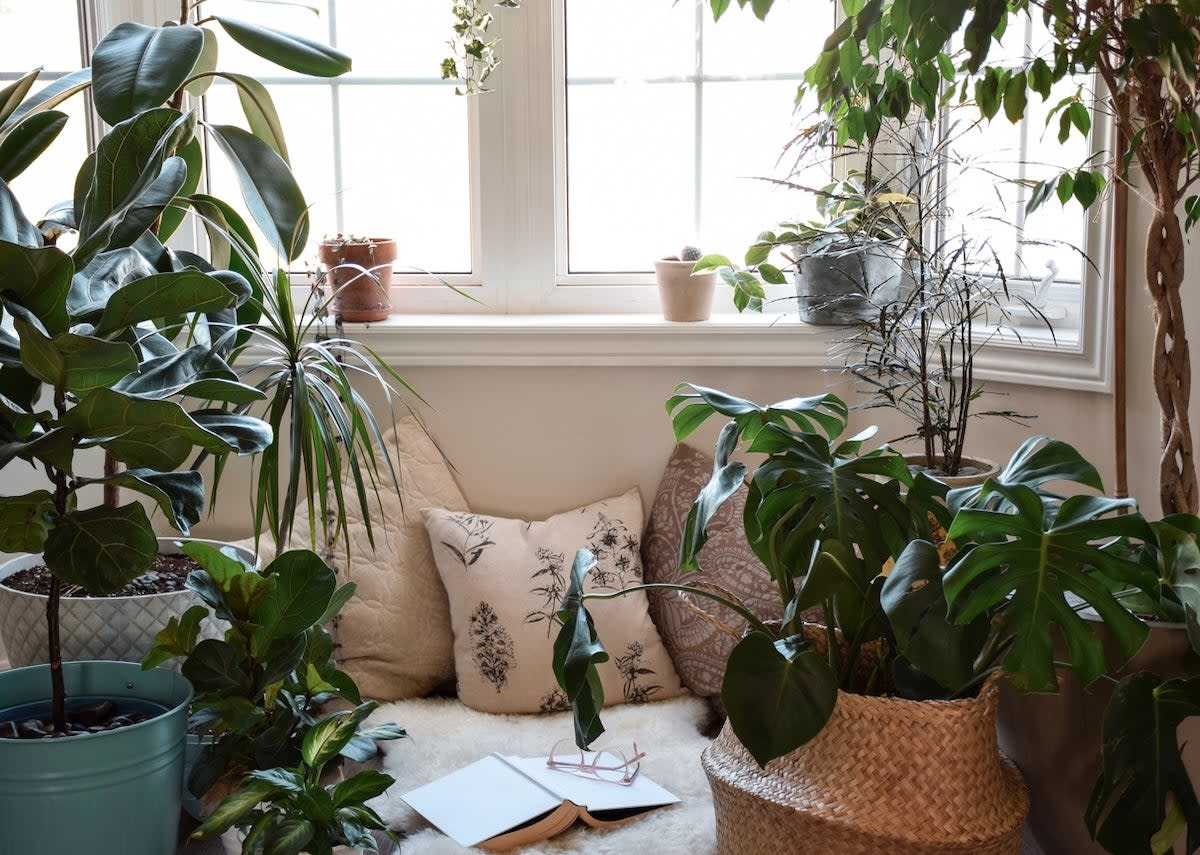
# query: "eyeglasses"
[[609, 765]]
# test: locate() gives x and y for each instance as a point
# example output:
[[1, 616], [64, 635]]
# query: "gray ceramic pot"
[[844, 283]]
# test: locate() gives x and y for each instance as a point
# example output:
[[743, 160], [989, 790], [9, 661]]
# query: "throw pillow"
[[505, 579], [393, 637], [699, 647]]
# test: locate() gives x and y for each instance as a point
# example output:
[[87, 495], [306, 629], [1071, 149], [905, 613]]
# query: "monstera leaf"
[[1144, 798], [824, 413], [915, 604], [1028, 574], [1038, 461], [779, 694], [577, 651]]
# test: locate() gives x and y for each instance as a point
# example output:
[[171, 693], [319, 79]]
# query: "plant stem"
[[750, 617], [58, 690]]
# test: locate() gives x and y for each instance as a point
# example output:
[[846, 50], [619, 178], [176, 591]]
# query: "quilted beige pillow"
[[505, 579], [698, 647], [393, 637]]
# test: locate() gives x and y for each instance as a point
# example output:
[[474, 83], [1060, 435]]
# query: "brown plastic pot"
[[685, 296], [360, 273]]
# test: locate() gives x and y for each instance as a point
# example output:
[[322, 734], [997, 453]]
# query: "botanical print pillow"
[[505, 579]]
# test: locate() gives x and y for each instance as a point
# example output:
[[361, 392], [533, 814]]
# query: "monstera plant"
[[925, 593], [120, 343]]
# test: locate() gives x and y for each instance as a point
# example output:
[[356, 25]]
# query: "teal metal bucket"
[[111, 793]]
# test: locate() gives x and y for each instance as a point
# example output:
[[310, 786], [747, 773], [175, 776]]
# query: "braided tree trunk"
[[1172, 361]]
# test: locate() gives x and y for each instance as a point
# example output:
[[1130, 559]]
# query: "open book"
[[500, 802]]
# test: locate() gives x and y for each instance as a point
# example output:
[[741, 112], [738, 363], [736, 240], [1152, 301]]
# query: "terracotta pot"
[[1055, 739], [360, 274], [685, 296], [885, 775], [988, 469]]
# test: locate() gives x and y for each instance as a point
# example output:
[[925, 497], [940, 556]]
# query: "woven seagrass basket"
[[885, 775]]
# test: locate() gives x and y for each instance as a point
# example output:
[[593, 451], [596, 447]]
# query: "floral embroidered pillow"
[[505, 579]]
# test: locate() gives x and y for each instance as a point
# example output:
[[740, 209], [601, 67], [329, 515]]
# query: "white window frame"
[[535, 313]]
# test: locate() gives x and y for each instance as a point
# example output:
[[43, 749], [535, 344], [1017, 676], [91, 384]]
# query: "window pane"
[[365, 165], [671, 124], [21, 19]]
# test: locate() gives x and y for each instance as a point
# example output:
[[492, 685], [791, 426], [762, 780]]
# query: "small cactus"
[[690, 253]]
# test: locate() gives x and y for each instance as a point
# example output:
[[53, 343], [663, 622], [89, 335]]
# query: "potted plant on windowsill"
[[686, 295], [915, 631], [359, 270]]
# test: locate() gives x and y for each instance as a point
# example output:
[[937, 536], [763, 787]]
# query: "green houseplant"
[[259, 694], [852, 532]]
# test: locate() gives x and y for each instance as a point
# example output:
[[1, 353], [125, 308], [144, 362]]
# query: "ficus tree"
[[888, 58]]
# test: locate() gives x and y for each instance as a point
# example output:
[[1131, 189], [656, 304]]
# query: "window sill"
[[631, 340]]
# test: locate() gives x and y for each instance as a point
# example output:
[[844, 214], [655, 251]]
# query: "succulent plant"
[[690, 253]]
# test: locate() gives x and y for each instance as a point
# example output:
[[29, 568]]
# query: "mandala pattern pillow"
[[505, 579], [697, 646]]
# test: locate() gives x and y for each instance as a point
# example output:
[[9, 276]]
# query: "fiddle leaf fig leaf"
[[14, 225], [1144, 792], [779, 694], [1027, 576], [136, 67], [177, 638], [101, 549], [160, 296], [25, 521], [180, 495], [77, 363], [577, 652]]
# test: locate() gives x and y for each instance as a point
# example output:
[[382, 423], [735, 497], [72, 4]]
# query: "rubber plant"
[[900, 56], [130, 339], [854, 533]]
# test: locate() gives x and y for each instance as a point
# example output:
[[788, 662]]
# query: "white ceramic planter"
[[112, 628], [990, 470]]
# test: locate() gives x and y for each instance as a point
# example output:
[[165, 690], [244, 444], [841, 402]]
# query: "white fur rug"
[[445, 736]]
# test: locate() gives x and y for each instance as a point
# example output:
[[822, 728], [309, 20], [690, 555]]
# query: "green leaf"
[[778, 693], [235, 807], [136, 68], [25, 521], [14, 93], [915, 604], [77, 363], [49, 97], [172, 215], [21, 146], [327, 738], [290, 51], [365, 785], [1015, 97], [206, 63], [577, 652], [260, 112], [40, 279], [340, 597], [1086, 188], [268, 188], [1043, 554], [1144, 785], [101, 549], [162, 296], [177, 638], [304, 586], [710, 262], [289, 837], [216, 667], [180, 495]]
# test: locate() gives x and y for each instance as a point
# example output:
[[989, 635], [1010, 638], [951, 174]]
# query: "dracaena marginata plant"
[[853, 533], [261, 687]]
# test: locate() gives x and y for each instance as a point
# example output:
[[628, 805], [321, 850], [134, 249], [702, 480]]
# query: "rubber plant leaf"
[[1144, 795], [101, 549], [48, 97], [14, 93], [21, 146], [268, 188], [577, 651], [137, 68], [779, 694], [1044, 553], [292, 52]]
